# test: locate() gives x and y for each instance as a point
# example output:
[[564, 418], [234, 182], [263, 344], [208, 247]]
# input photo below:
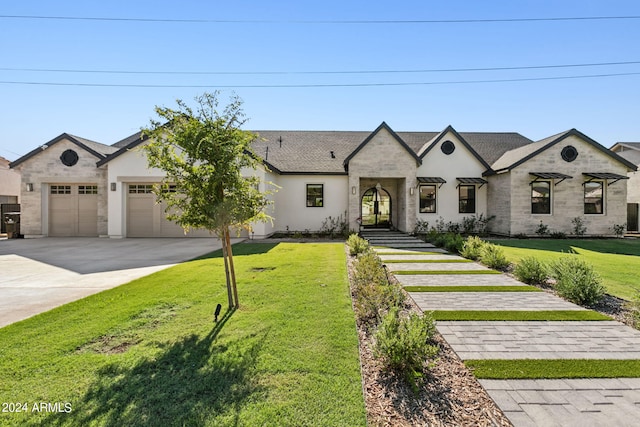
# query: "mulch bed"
[[449, 394]]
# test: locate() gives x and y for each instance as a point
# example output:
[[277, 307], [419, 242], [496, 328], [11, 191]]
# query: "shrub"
[[422, 227], [472, 247], [576, 281], [531, 271], [558, 235], [619, 229], [579, 229], [633, 308], [493, 257], [469, 224], [333, 227], [402, 344], [357, 245], [542, 229], [373, 294], [453, 242]]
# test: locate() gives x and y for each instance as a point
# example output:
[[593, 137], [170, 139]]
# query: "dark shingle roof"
[[310, 151]]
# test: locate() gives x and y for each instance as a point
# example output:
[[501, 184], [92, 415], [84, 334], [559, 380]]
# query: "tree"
[[203, 152]]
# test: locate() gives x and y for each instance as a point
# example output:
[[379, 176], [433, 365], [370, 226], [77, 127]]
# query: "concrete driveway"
[[37, 275]]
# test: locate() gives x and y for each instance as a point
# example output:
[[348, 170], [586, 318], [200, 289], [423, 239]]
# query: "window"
[[315, 195], [87, 189], [593, 197], [427, 199], [541, 197], [60, 189], [140, 188], [467, 200]]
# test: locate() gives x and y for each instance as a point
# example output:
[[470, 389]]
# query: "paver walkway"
[[554, 402]]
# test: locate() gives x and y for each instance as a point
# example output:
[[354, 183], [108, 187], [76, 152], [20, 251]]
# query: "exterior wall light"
[[29, 187], [113, 186], [411, 190], [353, 190]]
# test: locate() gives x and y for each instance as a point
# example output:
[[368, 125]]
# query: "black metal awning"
[[480, 181], [607, 176], [431, 180], [549, 175]]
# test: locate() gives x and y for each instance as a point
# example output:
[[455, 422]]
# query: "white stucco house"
[[631, 152], [75, 187]]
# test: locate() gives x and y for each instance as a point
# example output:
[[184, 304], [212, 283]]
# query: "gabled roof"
[[386, 127], [516, 157], [429, 145], [628, 145], [97, 149], [123, 146]]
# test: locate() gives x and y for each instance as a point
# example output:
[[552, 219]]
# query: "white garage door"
[[146, 218], [73, 210]]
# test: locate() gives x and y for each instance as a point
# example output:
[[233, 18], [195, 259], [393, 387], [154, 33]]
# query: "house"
[[631, 152], [9, 183], [75, 187]]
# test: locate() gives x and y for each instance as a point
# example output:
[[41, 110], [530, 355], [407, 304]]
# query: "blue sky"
[[604, 108]]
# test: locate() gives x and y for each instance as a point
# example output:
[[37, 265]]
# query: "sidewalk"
[[554, 402]]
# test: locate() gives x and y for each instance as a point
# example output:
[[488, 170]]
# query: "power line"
[[441, 70], [318, 22], [318, 85]]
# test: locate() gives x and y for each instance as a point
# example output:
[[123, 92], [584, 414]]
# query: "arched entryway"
[[376, 208]]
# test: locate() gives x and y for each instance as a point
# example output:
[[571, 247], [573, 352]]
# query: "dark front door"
[[632, 216], [376, 208]]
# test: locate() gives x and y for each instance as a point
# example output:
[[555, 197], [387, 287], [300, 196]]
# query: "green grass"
[[438, 272], [472, 289], [547, 369], [148, 353], [560, 315], [423, 261], [617, 261]]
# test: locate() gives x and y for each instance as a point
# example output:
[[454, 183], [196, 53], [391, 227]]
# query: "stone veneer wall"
[[46, 168], [568, 196], [499, 203], [384, 157]]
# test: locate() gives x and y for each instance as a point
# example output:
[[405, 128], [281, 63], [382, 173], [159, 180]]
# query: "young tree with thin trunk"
[[203, 152]]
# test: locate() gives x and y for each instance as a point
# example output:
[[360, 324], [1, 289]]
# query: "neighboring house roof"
[[628, 150], [517, 156], [101, 151]]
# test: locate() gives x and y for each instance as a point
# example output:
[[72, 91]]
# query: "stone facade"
[[567, 197], [383, 159], [499, 203], [45, 169]]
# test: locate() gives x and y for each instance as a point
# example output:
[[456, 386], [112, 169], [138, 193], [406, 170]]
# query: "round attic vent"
[[69, 158], [447, 147], [569, 153]]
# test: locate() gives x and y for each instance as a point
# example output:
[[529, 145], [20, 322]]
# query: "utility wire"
[[441, 70], [318, 22], [320, 85]]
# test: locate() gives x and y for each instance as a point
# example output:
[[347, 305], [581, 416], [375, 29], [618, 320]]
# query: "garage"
[[73, 210], [146, 218]]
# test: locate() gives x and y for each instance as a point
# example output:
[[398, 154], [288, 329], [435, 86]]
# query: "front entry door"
[[376, 208]]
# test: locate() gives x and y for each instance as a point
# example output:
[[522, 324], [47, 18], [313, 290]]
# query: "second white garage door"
[[146, 218]]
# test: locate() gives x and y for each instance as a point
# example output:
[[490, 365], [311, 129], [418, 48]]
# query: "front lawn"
[[148, 353], [617, 261]]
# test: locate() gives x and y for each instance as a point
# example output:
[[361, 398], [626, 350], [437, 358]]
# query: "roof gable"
[[449, 129], [124, 146], [100, 151], [395, 136], [518, 156]]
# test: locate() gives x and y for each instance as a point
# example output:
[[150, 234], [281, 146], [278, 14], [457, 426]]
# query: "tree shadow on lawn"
[[608, 246], [191, 381], [244, 248]]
